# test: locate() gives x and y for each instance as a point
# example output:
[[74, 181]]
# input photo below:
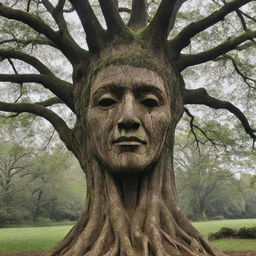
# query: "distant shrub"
[[247, 232], [223, 233], [230, 232]]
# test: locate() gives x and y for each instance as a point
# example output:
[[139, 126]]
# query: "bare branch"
[[138, 18], [50, 102], [242, 20], [186, 60], [13, 66], [49, 140], [57, 14], [60, 6], [58, 123], [201, 97], [248, 16], [32, 41], [175, 11], [28, 5], [34, 62], [193, 126], [115, 24], [240, 73], [183, 38], [95, 34], [70, 49], [59, 87], [159, 27], [21, 84]]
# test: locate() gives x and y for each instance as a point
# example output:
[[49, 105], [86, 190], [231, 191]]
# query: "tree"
[[57, 188], [206, 184], [125, 213], [38, 186], [14, 161]]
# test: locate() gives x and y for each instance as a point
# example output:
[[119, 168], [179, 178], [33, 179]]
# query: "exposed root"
[[152, 226]]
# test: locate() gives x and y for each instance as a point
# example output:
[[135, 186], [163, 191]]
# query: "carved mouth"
[[129, 141]]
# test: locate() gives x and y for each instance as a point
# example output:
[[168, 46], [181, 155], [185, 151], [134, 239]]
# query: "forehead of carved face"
[[128, 117]]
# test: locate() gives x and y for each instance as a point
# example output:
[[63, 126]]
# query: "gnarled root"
[[134, 216]]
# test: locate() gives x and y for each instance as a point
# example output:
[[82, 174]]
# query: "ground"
[[246, 253]]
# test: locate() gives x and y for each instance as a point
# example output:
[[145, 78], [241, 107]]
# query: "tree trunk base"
[[136, 215]]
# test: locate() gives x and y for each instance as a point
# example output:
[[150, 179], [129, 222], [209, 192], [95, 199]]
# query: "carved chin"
[[128, 162]]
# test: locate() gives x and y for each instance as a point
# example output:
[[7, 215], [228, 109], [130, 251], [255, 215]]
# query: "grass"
[[30, 238], [228, 244], [41, 238], [213, 226]]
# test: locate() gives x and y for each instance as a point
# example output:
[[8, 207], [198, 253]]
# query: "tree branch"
[[49, 102], [201, 97], [34, 62], [70, 49], [21, 84], [58, 123], [183, 38], [138, 18], [175, 11], [57, 14], [193, 59], [158, 28], [240, 73], [242, 20], [115, 24], [33, 41], [248, 16], [193, 126], [95, 34], [59, 87]]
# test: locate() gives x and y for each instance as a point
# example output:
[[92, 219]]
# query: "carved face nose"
[[128, 125], [128, 119]]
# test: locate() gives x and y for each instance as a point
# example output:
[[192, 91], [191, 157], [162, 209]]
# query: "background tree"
[[39, 187], [206, 184], [157, 227], [57, 186], [14, 161]]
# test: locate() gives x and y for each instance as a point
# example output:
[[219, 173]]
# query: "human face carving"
[[128, 117]]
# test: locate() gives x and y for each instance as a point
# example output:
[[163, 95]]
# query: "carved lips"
[[132, 140]]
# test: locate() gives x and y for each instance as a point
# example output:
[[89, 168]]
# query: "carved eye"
[[150, 102], [107, 102]]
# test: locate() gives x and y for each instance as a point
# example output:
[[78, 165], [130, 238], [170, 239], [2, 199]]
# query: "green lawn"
[[41, 238], [30, 238], [229, 244], [208, 227]]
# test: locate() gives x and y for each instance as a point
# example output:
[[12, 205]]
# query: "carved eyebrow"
[[108, 88], [150, 89]]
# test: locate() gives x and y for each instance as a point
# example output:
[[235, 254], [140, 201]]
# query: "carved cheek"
[[97, 126], [160, 123]]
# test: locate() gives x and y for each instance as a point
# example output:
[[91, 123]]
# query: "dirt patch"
[[246, 253]]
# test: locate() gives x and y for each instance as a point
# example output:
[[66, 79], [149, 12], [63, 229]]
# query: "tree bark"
[[132, 215]]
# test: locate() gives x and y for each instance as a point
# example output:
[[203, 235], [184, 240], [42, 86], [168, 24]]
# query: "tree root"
[[152, 226]]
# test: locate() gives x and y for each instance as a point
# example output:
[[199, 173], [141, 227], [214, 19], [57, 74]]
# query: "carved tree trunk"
[[134, 214]]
